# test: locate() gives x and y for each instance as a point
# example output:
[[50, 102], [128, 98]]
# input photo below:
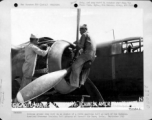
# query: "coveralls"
[[28, 67], [89, 51]]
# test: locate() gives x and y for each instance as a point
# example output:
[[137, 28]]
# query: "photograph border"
[[5, 45]]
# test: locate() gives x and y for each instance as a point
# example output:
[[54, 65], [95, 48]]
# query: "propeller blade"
[[40, 85], [92, 90]]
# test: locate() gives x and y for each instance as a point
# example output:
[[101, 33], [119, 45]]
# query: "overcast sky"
[[60, 24]]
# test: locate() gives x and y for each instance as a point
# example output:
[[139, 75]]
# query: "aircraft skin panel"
[[128, 73], [102, 71], [129, 66], [126, 66]]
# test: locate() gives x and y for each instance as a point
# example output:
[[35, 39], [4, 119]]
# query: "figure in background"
[[129, 48]]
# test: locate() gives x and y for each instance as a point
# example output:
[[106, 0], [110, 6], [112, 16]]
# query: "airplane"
[[117, 62], [128, 66]]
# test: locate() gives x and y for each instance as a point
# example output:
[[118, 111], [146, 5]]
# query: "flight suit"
[[28, 67], [88, 53]]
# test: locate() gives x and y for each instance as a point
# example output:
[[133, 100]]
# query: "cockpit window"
[[127, 46]]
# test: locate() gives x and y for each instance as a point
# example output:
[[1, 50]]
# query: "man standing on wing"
[[88, 50], [31, 52]]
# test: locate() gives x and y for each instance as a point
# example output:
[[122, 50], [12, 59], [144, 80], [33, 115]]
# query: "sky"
[[60, 24]]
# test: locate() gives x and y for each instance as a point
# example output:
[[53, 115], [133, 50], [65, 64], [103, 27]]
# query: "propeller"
[[48, 81], [93, 91], [40, 85]]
